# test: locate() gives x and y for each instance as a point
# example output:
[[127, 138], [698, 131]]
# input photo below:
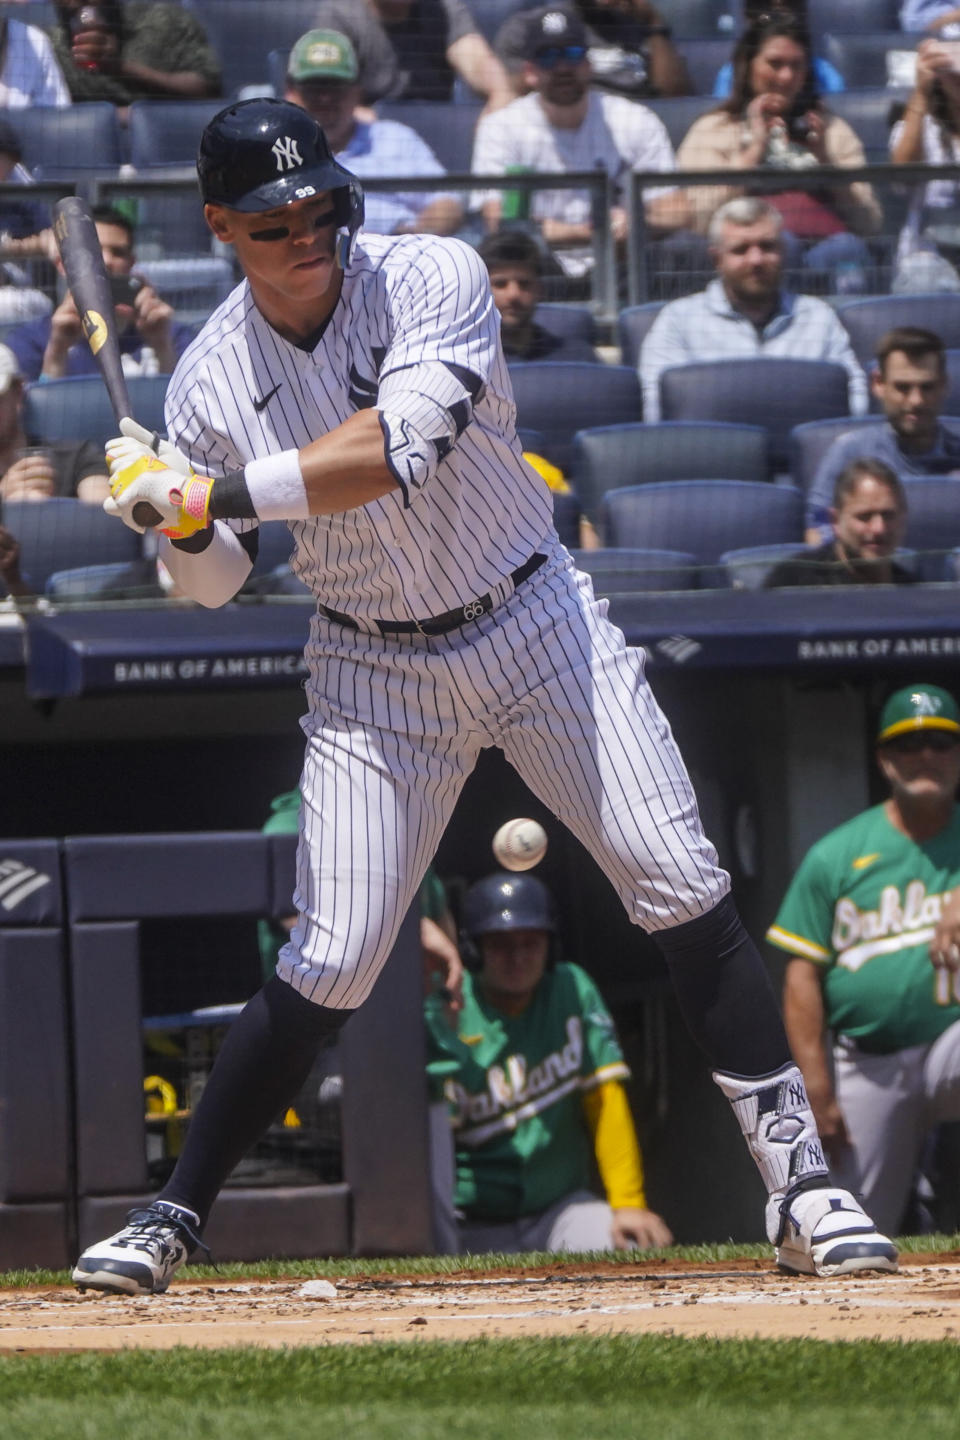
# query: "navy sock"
[[724, 992], [263, 1062]]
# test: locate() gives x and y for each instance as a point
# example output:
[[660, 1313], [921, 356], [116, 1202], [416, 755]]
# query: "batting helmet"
[[260, 154], [504, 902]]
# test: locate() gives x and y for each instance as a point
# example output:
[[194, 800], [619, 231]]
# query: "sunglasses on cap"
[[939, 740], [552, 55]]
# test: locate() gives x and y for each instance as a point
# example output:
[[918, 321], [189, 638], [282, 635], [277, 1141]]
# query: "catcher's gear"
[[181, 501], [263, 153]]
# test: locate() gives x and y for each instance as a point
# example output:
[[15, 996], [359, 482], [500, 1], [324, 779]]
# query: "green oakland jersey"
[[864, 904], [514, 1084]]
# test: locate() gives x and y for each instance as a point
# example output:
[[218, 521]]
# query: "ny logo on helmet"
[[286, 152]]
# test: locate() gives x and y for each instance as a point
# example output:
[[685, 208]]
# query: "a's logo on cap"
[[925, 704], [286, 152]]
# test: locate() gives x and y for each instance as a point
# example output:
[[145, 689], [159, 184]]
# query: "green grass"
[[460, 1264], [562, 1389]]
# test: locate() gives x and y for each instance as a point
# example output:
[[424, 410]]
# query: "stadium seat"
[[274, 546], [633, 323], [59, 144], [703, 517], [951, 404], [703, 59], [855, 17], [566, 517], [869, 113], [59, 533], [933, 519], [79, 408], [35, 12], [561, 397], [490, 14], [611, 456], [678, 112], [776, 393], [748, 568], [194, 286], [692, 19], [623, 572], [447, 127], [570, 322], [807, 444], [865, 321], [167, 132], [242, 31], [86, 582], [861, 57]]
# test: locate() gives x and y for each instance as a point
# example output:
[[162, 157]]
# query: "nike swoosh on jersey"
[[862, 861], [259, 405]]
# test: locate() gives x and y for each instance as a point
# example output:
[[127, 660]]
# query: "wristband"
[[268, 489]]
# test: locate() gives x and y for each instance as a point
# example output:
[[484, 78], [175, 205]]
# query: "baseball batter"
[[354, 385], [870, 925]]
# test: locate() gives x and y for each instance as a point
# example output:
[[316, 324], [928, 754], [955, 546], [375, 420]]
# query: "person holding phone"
[[151, 340]]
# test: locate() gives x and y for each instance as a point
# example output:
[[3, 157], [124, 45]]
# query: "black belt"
[[440, 624]]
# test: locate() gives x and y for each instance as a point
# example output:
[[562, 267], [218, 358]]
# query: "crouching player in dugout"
[[534, 1076]]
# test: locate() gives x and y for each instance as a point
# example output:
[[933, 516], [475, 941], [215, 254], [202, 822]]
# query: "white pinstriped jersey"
[[241, 391]]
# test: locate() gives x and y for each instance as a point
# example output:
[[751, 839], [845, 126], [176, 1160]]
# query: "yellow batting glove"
[[179, 502]]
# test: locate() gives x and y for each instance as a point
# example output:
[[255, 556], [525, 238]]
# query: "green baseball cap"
[[918, 707], [323, 55]]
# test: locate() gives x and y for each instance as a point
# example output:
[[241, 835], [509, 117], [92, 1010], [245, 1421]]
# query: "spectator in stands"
[[938, 17], [416, 49], [515, 263], [29, 73], [929, 132], [910, 382], [631, 52], [24, 224], [10, 577], [322, 76], [869, 518], [150, 339], [565, 125], [533, 1074], [826, 77], [775, 118], [34, 469], [123, 52], [745, 311]]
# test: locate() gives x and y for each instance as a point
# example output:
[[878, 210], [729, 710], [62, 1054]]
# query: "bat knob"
[[145, 514]]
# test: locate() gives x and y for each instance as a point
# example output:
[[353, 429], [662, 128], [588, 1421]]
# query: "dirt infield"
[[734, 1299]]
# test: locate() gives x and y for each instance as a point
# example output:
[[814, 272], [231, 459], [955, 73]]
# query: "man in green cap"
[[872, 923], [323, 77]]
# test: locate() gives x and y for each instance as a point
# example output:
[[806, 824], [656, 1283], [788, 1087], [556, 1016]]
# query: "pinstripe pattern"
[[395, 726]]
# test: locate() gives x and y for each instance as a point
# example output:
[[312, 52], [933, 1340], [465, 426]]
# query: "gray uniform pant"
[[890, 1103]]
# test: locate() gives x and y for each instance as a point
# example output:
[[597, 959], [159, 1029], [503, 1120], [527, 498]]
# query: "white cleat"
[[825, 1232], [143, 1257]]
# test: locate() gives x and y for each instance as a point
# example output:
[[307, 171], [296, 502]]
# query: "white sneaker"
[[825, 1232], [143, 1257]]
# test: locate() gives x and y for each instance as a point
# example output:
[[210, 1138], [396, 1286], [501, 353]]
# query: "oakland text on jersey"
[[895, 924], [515, 1093]]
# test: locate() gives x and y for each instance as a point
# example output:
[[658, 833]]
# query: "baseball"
[[520, 844]]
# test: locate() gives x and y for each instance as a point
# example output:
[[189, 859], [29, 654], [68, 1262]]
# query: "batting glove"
[[176, 504], [135, 442]]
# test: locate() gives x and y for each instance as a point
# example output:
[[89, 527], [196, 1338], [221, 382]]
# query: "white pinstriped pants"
[[395, 727]]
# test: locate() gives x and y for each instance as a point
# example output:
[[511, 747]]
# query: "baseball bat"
[[76, 236]]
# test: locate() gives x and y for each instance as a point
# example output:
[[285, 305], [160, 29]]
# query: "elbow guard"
[[420, 430]]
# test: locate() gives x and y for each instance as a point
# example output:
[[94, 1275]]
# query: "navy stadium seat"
[[566, 517], [951, 403], [678, 112], [490, 14], [866, 320], [703, 58], [933, 513], [861, 57], [242, 31], [167, 132], [773, 392], [448, 128], [561, 397], [869, 113], [274, 546], [59, 534], [633, 324], [570, 322], [193, 285], [856, 17], [694, 18], [748, 568], [807, 444], [623, 572], [611, 456], [59, 144], [79, 408], [704, 517], [86, 582]]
